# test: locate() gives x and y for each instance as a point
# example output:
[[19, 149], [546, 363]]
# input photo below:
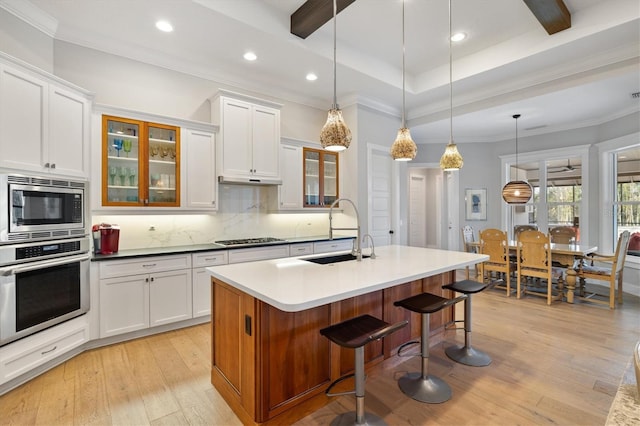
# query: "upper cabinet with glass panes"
[[140, 163]]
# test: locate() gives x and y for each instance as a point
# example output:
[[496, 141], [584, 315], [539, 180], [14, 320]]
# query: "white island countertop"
[[292, 284]]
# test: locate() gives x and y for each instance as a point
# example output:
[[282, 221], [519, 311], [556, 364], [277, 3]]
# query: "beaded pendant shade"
[[517, 191], [403, 148], [335, 135], [451, 159]]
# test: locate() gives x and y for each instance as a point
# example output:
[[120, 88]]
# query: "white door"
[[381, 209], [170, 297], [417, 210], [200, 185]]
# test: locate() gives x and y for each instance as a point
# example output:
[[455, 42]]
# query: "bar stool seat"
[[466, 354], [355, 333], [422, 386]]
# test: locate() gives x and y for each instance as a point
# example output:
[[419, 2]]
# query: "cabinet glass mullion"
[[320, 187], [140, 163]]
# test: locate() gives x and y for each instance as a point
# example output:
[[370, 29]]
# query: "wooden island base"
[[273, 366]]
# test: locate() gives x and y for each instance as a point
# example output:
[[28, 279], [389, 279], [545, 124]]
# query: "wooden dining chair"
[[563, 234], [494, 242], [534, 260], [468, 238], [519, 228], [588, 270]]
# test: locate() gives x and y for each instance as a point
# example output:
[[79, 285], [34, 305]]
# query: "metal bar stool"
[[422, 386], [466, 354], [355, 333]]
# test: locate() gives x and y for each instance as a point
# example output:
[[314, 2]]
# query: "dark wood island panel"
[[273, 366]]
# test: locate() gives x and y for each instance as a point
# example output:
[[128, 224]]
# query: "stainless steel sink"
[[333, 258]]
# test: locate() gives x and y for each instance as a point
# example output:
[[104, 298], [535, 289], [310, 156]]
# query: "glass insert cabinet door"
[[140, 163], [320, 177]]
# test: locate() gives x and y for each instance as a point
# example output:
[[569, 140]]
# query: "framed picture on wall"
[[475, 201]]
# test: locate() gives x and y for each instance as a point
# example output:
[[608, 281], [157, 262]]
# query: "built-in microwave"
[[37, 208]]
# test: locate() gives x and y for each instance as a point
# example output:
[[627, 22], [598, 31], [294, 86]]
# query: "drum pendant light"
[[517, 191], [335, 135], [451, 159], [403, 148]]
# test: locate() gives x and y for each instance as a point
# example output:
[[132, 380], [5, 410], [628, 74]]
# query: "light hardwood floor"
[[558, 364]]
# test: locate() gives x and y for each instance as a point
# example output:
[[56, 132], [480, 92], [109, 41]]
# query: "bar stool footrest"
[[430, 389], [338, 380], [468, 356], [404, 345]]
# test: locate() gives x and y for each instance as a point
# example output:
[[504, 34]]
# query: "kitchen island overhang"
[[295, 284], [269, 361]]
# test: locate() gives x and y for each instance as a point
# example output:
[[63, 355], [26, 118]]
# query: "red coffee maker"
[[105, 238]]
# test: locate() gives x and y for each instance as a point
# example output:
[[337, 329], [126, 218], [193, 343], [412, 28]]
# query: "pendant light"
[[335, 135], [451, 159], [517, 191], [403, 148]]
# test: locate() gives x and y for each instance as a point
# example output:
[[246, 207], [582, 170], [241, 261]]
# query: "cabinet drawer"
[[332, 245], [210, 258], [121, 268], [24, 355], [300, 249], [258, 253]]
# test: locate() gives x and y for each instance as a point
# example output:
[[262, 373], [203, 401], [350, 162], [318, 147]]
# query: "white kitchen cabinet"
[[332, 245], [252, 254], [300, 249], [290, 192], [250, 136], [140, 293], [199, 167], [44, 125], [202, 279], [22, 356]]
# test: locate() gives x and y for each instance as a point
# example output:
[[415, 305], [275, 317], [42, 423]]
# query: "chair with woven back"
[[587, 270], [494, 242], [468, 238], [533, 256], [563, 234]]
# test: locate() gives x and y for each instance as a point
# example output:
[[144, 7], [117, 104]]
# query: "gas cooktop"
[[249, 241]]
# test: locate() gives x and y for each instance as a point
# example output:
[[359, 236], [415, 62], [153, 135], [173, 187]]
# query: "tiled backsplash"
[[245, 211]]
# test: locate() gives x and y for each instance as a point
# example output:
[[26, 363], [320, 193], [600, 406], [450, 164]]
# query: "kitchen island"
[[270, 362]]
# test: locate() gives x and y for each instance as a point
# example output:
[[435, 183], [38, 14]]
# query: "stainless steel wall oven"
[[42, 284]]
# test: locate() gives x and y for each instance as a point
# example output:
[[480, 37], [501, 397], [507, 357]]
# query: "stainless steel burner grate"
[[249, 241]]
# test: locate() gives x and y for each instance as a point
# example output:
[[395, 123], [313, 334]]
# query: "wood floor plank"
[[556, 365]]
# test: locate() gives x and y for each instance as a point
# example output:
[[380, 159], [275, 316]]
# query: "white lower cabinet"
[[26, 354], [332, 245], [253, 254], [300, 249], [139, 294], [202, 279]]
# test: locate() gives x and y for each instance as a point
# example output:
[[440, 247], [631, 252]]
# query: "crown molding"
[[32, 15]]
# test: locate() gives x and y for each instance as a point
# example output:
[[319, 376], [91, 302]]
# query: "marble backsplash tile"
[[245, 212]]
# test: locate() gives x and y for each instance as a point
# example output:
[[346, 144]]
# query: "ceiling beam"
[[313, 14], [552, 14]]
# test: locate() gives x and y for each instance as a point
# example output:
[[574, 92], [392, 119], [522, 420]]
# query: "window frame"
[[607, 151]]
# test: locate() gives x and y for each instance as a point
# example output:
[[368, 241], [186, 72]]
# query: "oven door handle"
[[14, 270]]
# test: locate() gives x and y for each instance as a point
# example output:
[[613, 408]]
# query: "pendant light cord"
[[403, 73], [450, 82], [335, 99], [516, 116]]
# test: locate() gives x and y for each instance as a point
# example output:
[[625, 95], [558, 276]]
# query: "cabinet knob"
[[53, 165], [46, 165]]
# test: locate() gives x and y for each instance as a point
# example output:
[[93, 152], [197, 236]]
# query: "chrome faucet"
[[373, 247], [358, 249]]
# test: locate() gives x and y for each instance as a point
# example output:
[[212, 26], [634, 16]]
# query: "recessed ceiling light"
[[458, 37], [312, 77], [164, 26], [250, 56]]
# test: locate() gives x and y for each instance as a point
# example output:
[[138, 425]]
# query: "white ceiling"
[[509, 64]]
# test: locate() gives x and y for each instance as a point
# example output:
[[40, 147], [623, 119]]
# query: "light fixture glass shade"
[[517, 192], [451, 159], [404, 148], [335, 135]]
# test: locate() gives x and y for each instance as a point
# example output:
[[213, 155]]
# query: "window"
[[620, 193], [557, 177]]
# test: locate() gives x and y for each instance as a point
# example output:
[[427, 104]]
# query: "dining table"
[[565, 255]]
